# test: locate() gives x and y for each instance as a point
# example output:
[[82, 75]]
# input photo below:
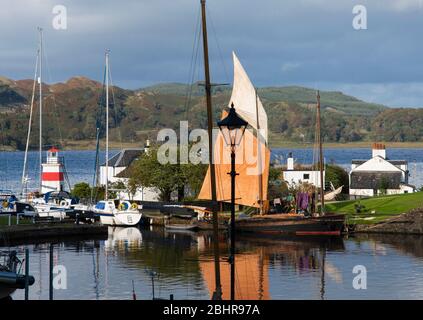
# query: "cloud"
[[401, 95], [279, 42], [288, 66]]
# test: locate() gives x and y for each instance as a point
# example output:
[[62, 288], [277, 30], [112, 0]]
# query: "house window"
[[405, 191], [306, 176]]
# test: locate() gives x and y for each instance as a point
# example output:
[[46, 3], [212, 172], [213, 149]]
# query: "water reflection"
[[266, 267]]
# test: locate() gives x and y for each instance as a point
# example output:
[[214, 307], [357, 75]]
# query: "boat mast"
[[95, 177], [260, 174], [107, 125], [321, 165], [217, 295], [24, 177], [41, 106]]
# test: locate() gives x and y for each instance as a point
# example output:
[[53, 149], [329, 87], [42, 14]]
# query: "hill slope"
[[72, 113]]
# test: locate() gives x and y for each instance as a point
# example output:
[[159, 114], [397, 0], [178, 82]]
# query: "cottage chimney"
[[147, 146], [378, 149], [290, 162]]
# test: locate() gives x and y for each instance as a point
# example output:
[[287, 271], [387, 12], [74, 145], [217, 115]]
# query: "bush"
[[81, 190], [338, 176]]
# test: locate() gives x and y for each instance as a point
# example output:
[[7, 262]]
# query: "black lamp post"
[[232, 128]]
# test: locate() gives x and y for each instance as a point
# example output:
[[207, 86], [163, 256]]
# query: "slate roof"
[[375, 179], [124, 158], [125, 173], [394, 162], [299, 167]]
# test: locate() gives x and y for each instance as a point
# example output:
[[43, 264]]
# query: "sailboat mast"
[[34, 87], [321, 164], [259, 167], [41, 106], [218, 293], [107, 125]]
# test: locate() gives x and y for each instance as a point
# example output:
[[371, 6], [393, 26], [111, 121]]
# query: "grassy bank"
[[378, 208], [4, 221]]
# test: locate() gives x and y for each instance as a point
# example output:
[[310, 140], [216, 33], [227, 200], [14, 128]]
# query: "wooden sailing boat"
[[249, 193]]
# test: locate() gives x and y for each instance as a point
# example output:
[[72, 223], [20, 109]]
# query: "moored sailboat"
[[125, 213], [50, 200]]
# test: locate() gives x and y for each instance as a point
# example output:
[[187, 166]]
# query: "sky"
[[310, 43]]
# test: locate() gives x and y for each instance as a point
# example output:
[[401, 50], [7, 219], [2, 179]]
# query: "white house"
[[379, 174], [296, 174], [117, 172]]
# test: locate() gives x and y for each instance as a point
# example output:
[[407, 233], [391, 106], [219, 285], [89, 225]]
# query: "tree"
[[147, 171], [194, 174], [383, 185], [276, 187], [338, 176], [81, 190]]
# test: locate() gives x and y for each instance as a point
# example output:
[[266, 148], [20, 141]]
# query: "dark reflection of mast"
[[261, 275], [40, 283], [322, 277], [95, 269]]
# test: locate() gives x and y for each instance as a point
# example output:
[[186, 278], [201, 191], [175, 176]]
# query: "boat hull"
[[120, 219], [330, 225]]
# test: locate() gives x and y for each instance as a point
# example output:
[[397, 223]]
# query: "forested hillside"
[[73, 110]]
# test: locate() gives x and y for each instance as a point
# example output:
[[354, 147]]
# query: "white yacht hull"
[[121, 218], [44, 211]]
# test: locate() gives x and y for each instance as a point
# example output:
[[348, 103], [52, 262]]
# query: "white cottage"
[[116, 172], [295, 174], [379, 174]]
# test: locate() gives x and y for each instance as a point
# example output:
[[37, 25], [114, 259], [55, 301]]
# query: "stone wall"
[[406, 223]]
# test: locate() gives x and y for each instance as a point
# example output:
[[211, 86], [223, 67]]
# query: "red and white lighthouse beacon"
[[53, 168]]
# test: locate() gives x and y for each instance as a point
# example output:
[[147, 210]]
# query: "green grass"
[[4, 221], [377, 209]]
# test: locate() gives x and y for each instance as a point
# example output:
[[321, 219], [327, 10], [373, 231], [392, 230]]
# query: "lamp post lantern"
[[232, 128]]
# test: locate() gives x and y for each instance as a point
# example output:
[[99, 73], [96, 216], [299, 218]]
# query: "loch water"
[[181, 263], [80, 164]]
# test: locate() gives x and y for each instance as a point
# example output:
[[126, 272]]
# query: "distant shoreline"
[[360, 144], [89, 145]]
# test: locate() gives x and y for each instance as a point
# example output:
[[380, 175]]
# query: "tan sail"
[[252, 156], [244, 98], [246, 188]]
